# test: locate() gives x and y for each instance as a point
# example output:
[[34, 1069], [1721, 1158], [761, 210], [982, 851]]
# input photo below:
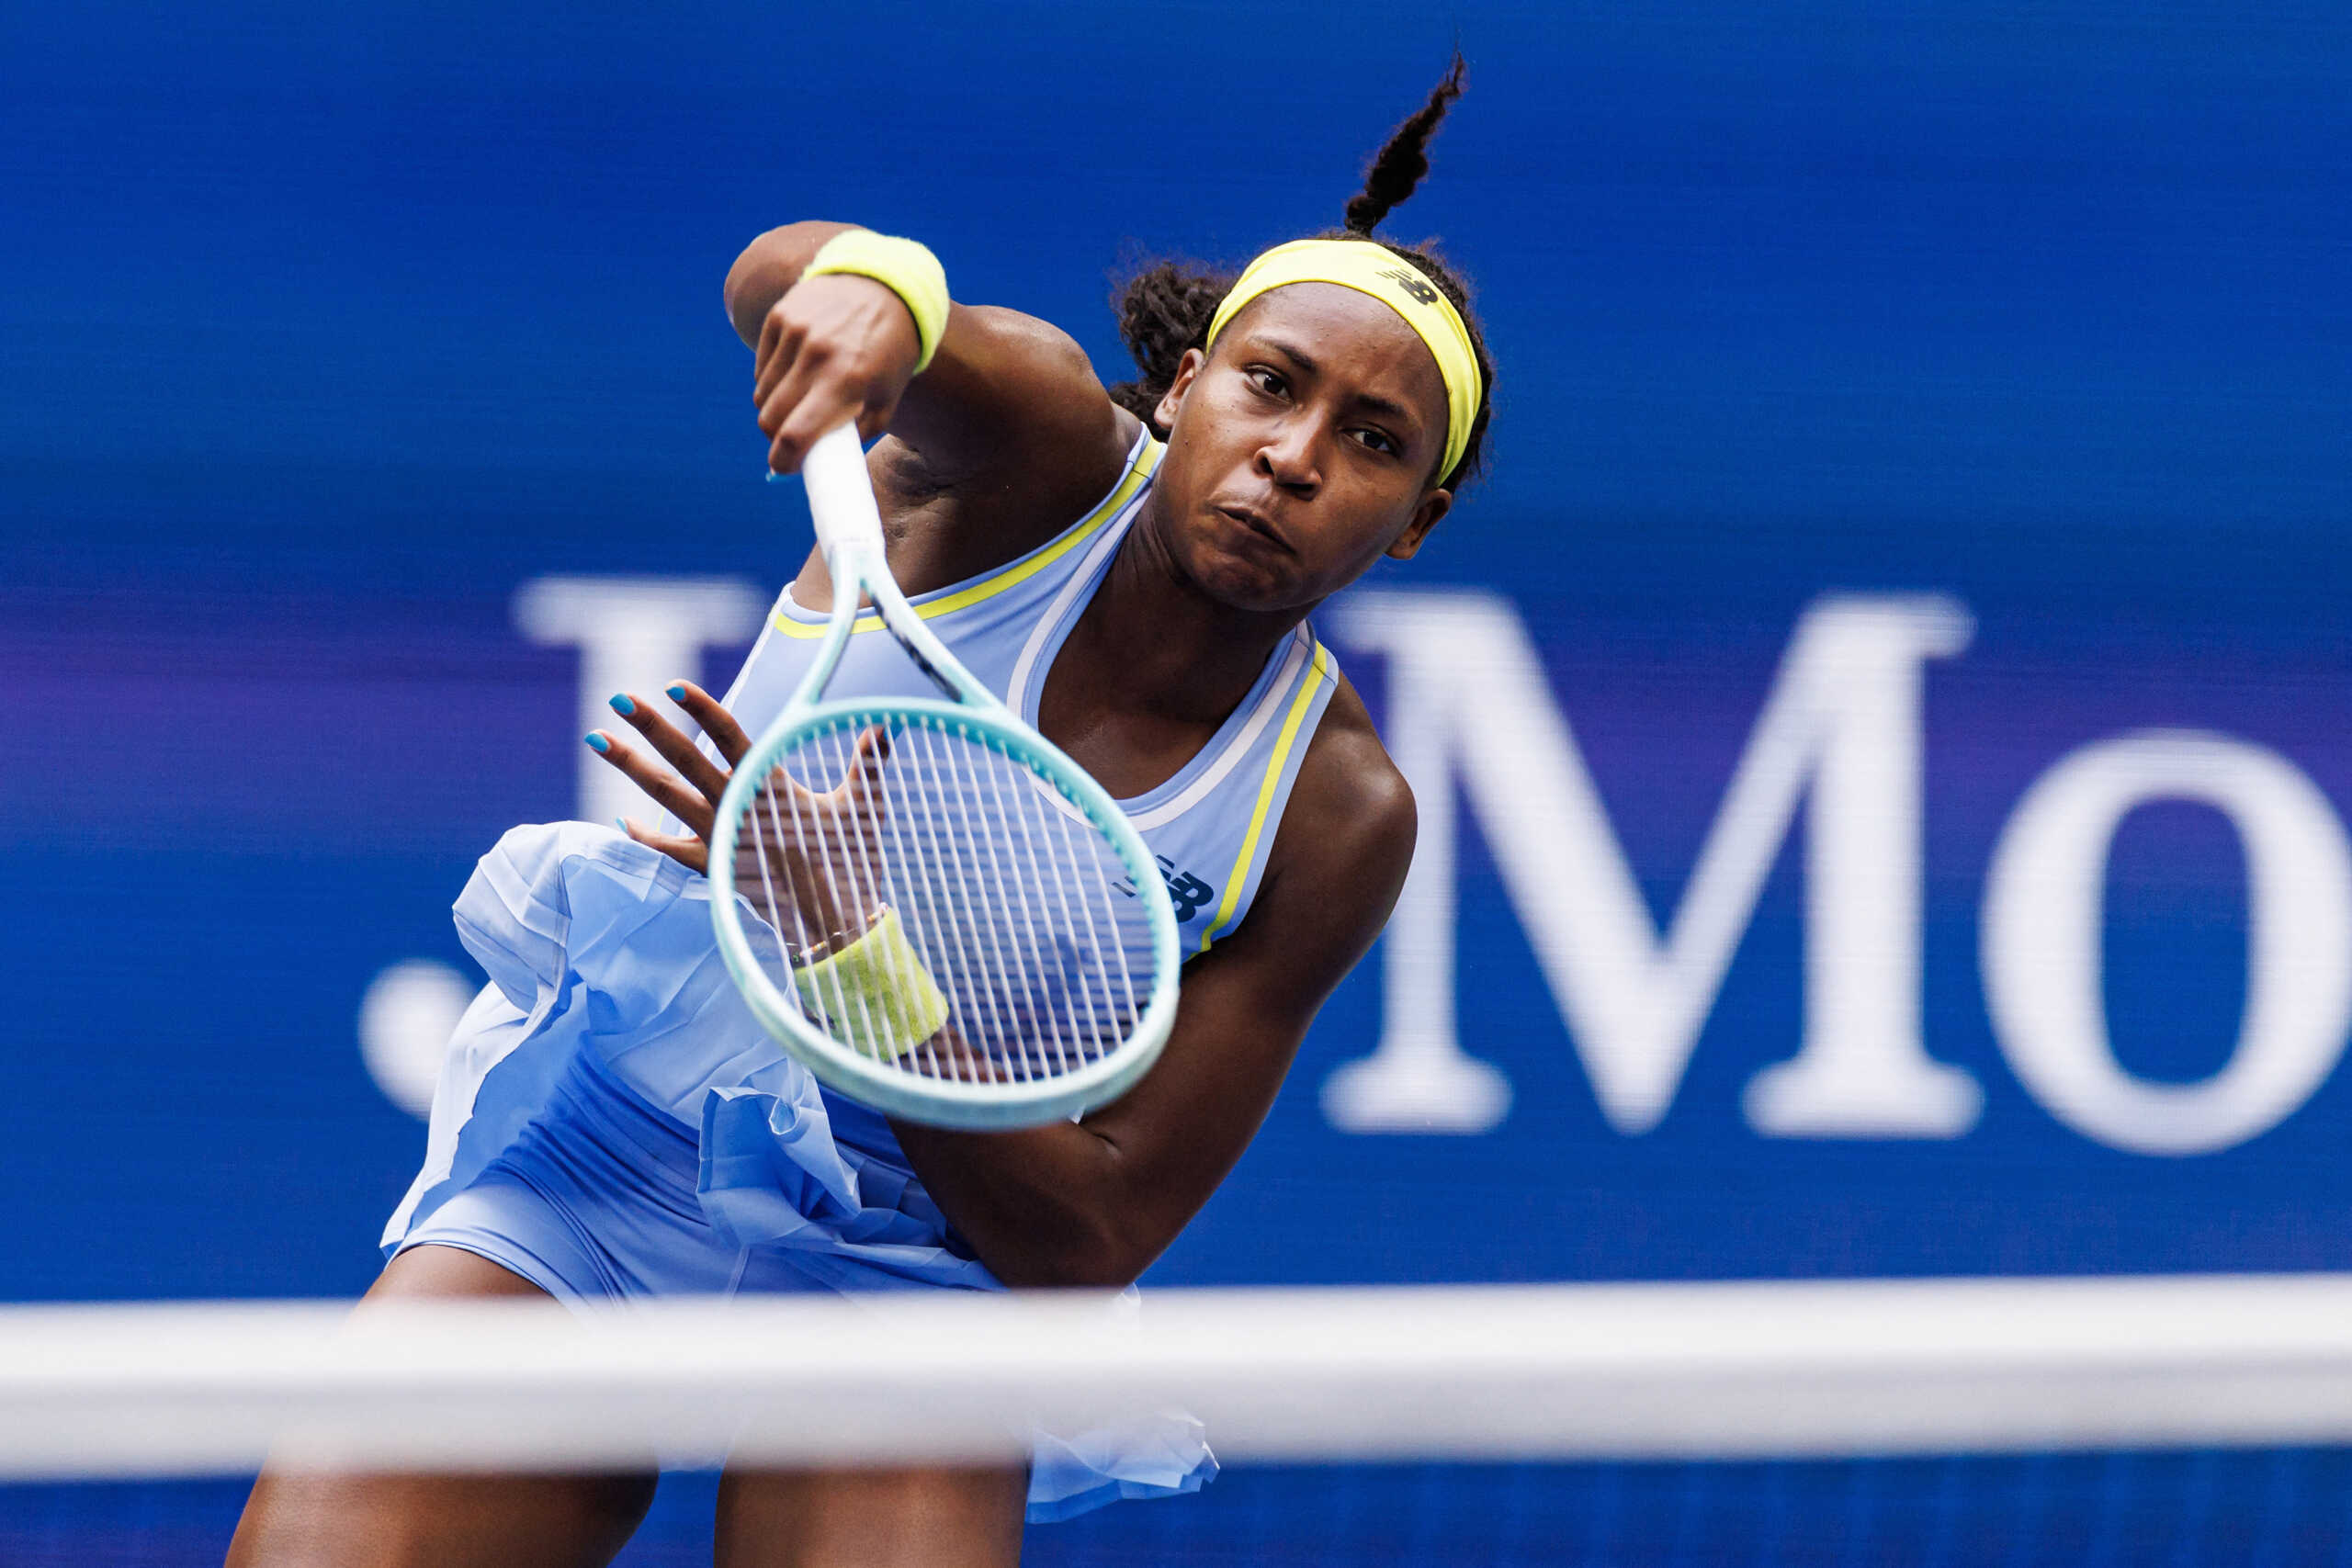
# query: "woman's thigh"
[[446, 1521], [871, 1518]]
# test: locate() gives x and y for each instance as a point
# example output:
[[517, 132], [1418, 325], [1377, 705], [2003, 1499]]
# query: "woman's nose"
[[1288, 457]]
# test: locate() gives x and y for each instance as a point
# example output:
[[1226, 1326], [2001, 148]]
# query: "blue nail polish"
[[677, 693], [775, 478], [622, 706], [596, 742], [622, 823]]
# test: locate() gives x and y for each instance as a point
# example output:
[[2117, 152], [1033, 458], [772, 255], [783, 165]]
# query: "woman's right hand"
[[837, 348]]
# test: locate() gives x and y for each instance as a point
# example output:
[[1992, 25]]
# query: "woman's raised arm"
[[1008, 423]]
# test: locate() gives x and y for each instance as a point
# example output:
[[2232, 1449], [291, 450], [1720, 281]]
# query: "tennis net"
[[2122, 1420]]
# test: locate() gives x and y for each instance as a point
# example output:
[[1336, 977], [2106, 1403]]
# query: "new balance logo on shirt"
[[1187, 892]]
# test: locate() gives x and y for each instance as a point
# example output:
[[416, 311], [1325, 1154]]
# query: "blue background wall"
[[322, 334], [325, 330]]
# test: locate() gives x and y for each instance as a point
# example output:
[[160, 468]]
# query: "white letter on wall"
[[631, 632], [2043, 918], [1843, 715], [1418, 1079]]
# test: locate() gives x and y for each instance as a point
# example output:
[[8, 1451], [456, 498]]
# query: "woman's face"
[[1302, 449]]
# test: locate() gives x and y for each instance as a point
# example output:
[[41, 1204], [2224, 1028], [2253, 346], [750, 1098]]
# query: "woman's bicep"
[[1013, 400]]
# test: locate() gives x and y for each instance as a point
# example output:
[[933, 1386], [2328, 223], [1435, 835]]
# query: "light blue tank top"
[[1212, 825], [595, 943]]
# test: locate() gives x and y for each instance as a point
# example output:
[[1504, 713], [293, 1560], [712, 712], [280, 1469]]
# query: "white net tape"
[[1701, 1371]]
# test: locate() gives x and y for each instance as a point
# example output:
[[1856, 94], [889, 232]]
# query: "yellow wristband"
[[875, 995], [906, 268]]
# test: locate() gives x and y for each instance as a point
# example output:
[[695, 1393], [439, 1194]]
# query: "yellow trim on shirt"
[[1315, 677], [1019, 571]]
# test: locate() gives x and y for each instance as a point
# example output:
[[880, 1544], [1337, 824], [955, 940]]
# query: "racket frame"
[[849, 531]]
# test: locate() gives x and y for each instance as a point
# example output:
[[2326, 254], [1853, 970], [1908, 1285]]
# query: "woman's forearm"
[[1041, 1207], [769, 265]]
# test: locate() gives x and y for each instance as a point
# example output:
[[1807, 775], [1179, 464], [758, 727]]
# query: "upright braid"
[[1404, 159], [1165, 308]]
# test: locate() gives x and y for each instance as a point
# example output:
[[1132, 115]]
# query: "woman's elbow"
[[1098, 1254]]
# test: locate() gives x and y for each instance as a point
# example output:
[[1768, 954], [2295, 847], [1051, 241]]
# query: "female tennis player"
[[1131, 570]]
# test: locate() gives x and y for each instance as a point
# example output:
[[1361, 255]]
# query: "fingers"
[[833, 351], [668, 790], [667, 739], [788, 370], [692, 853], [716, 722], [779, 342], [867, 759], [810, 399]]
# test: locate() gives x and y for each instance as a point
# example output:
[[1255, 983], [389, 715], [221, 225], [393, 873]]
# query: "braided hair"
[[1166, 308]]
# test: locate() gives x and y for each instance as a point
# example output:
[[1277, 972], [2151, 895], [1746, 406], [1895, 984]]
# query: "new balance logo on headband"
[[1412, 283]]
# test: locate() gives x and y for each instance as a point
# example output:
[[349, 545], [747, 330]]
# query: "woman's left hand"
[[825, 864], [690, 787]]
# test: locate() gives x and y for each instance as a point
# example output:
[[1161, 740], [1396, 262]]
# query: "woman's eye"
[[1267, 381], [1379, 441]]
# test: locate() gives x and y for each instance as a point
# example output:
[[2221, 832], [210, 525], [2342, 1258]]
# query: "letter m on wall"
[[1472, 723]]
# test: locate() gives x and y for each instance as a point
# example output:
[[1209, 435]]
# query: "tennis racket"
[[924, 900]]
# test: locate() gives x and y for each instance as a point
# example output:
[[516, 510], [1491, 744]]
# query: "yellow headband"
[[1371, 268]]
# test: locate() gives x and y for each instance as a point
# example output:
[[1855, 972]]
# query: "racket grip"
[[841, 494]]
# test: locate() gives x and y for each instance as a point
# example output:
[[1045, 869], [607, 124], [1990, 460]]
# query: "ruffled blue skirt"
[[611, 1124]]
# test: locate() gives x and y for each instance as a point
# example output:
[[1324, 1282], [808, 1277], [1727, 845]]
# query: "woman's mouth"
[[1255, 522]]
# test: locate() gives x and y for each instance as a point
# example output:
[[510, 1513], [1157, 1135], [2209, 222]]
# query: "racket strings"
[[943, 872]]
